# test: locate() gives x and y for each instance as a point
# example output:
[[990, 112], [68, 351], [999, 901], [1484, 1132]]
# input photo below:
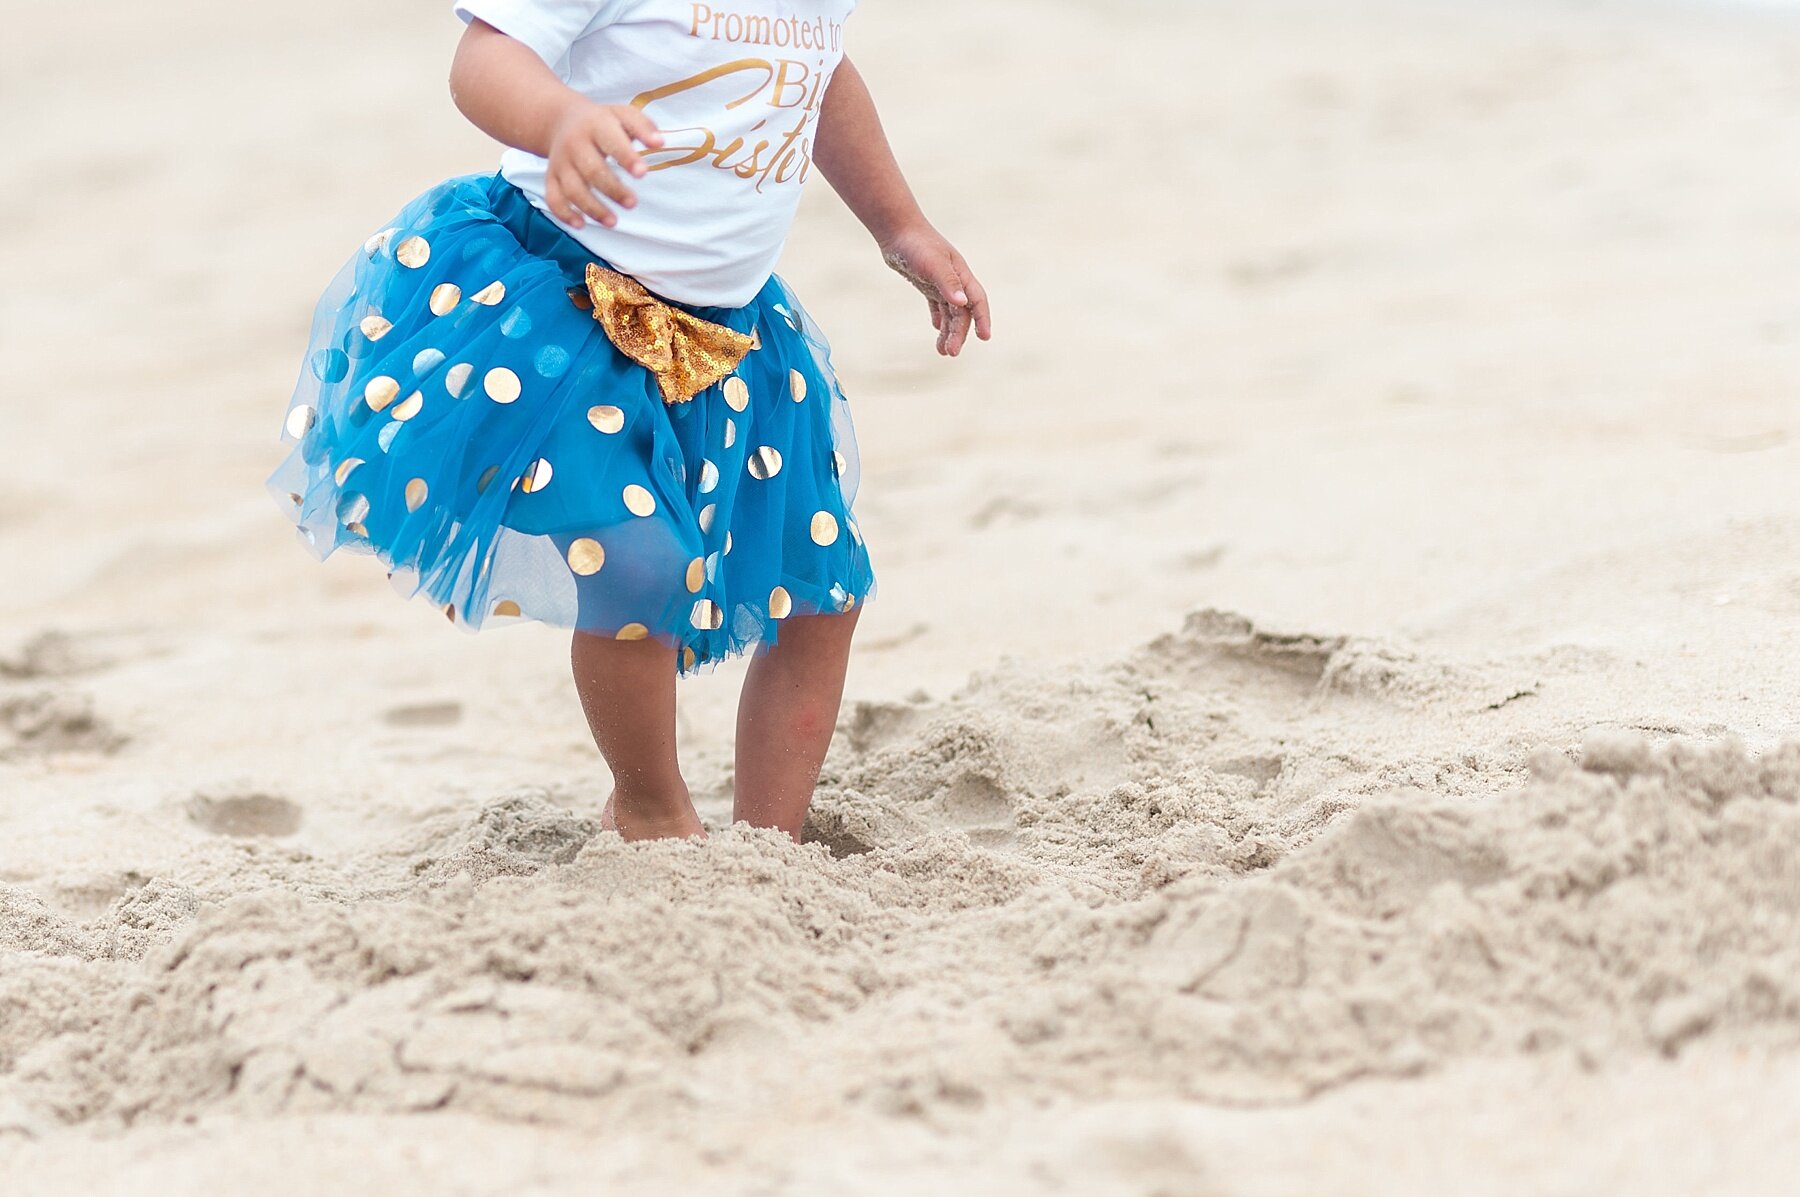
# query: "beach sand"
[[1328, 724]]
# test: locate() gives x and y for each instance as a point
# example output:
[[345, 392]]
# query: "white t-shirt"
[[735, 86]]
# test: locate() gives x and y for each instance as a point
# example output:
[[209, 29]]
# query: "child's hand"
[[583, 139], [958, 300]]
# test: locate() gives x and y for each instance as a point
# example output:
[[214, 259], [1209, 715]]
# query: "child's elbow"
[[458, 80], [464, 63]]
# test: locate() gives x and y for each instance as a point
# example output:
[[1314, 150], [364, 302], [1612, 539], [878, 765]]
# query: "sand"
[[1328, 725]]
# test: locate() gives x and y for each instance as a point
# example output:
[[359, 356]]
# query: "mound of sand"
[[1122, 882]]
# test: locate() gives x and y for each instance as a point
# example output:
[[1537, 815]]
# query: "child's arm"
[[853, 154], [507, 92]]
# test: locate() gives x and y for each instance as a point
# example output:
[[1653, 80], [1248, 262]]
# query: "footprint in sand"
[[45, 655], [1217, 650], [51, 721], [979, 806], [40, 717], [48, 655], [873, 725], [1008, 508], [424, 714], [245, 815], [1261, 768]]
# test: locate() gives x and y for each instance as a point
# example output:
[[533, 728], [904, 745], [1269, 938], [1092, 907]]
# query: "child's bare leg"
[[627, 689], [786, 714]]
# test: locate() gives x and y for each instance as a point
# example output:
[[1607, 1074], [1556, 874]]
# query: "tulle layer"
[[461, 416]]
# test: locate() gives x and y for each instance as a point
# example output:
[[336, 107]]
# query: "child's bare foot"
[[627, 690], [651, 818]]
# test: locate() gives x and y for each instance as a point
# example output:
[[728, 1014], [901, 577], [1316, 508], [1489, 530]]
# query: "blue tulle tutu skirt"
[[462, 416]]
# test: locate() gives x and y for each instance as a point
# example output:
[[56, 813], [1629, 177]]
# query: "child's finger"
[[959, 330], [560, 207], [621, 149], [952, 320], [943, 276], [956, 284], [575, 187], [978, 303], [600, 177], [937, 313], [566, 199], [582, 195], [637, 123]]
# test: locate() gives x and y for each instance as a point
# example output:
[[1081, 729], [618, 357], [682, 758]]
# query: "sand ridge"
[[1185, 914]]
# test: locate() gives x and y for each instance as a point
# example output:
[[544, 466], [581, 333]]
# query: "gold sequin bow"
[[687, 354]]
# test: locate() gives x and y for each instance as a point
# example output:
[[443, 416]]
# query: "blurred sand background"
[[1320, 730]]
